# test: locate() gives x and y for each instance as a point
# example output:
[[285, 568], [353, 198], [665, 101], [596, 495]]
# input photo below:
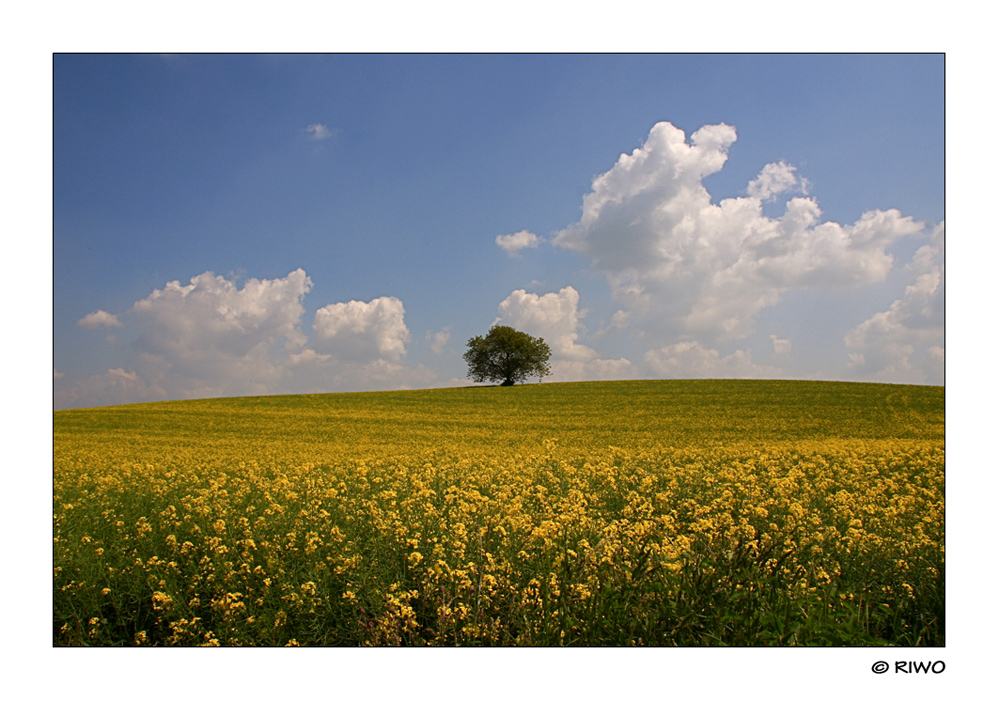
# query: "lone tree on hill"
[[507, 356]]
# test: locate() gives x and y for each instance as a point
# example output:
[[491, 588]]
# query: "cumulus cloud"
[[556, 318], [617, 323], [98, 319], [116, 386], [316, 372], [309, 356], [363, 330], [775, 179], [213, 338], [595, 369], [318, 132], [689, 268], [514, 243], [691, 360], [905, 342], [438, 340], [211, 315]]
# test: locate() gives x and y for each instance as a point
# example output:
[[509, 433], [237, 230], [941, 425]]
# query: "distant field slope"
[[607, 513]]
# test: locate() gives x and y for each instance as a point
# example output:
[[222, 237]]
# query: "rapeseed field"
[[675, 513]]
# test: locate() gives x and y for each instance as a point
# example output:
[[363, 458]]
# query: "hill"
[[627, 414]]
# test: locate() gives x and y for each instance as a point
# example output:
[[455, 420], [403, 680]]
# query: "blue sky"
[[257, 224]]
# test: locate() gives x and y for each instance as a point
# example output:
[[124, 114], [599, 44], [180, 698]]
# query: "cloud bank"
[[687, 268], [212, 338], [690, 360], [905, 342]]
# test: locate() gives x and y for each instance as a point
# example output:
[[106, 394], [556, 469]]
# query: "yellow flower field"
[[617, 513]]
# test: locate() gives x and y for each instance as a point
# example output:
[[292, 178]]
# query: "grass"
[[606, 513]]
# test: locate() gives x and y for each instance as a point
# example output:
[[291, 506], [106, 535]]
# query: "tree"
[[507, 356]]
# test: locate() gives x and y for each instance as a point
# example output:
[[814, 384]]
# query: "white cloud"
[[774, 179], [554, 317], [56, 375], [688, 268], [438, 340], [690, 359], [905, 342], [595, 369], [514, 243], [383, 373], [98, 319], [363, 330], [211, 315], [782, 346], [211, 338], [309, 357], [319, 132], [617, 323], [324, 372], [116, 386]]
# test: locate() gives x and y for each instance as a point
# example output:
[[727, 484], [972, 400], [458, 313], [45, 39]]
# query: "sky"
[[229, 225]]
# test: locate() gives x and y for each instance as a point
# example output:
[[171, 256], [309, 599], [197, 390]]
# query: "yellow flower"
[[161, 601]]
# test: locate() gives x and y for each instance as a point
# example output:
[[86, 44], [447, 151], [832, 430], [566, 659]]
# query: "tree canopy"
[[507, 356]]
